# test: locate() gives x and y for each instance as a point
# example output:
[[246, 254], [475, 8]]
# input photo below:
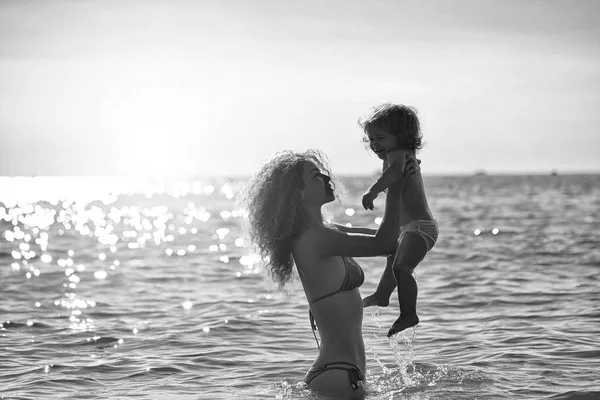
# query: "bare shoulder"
[[307, 242], [396, 156], [307, 237], [311, 241], [307, 252]]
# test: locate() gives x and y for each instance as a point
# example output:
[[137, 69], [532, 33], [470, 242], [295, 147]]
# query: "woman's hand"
[[412, 165]]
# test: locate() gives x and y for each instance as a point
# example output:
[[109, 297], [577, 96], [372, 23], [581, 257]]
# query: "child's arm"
[[396, 160]]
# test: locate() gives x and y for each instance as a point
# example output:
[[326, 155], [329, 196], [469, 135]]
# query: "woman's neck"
[[314, 216]]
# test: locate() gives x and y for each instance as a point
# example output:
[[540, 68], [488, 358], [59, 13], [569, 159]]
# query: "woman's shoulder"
[[310, 237], [305, 249]]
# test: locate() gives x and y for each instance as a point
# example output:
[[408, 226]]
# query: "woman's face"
[[317, 187]]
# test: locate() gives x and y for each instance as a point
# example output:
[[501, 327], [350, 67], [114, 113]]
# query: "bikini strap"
[[341, 289], [354, 373], [313, 325]]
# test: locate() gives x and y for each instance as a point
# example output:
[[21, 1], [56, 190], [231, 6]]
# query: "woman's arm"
[[333, 242], [385, 241], [355, 229]]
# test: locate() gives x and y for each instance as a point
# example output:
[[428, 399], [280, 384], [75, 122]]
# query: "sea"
[[118, 288]]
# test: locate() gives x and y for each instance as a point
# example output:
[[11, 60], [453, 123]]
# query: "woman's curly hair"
[[397, 119], [275, 214]]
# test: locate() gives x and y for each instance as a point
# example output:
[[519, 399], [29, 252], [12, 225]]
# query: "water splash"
[[402, 346], [290, 389], [374, 313], [392, 380]]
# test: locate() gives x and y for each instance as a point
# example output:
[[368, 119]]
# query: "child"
[[393, 133]]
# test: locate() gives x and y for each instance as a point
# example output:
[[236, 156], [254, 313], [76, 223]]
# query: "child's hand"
[[367, 200]]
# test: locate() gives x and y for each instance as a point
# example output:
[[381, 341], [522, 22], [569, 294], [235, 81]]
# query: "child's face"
[[381, 141]]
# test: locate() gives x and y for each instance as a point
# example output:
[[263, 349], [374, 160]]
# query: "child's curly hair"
[[275, 214], [397, 119]]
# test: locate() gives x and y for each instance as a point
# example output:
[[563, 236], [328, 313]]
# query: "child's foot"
[[375, 300], [402, 324]]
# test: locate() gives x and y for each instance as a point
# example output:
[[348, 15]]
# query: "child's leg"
[[385, 288], [411, 251]]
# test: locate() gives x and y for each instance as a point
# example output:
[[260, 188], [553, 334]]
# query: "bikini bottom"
[[353, 372], [427, 229]]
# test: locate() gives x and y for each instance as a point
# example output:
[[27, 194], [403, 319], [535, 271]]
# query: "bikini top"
[[354, 278]]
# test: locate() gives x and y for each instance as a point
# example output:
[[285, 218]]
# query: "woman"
[[284, 205]]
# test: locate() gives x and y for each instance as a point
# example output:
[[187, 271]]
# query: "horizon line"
[[342, 175]]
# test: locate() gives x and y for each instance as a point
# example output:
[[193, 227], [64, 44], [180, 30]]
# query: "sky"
[[203, 88]]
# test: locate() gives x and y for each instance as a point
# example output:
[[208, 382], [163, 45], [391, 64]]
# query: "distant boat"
[[480, 172], [554, 173]]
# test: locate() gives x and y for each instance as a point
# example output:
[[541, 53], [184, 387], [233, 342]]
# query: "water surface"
[[115, 288]]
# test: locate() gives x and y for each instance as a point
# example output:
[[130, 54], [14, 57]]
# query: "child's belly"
[[413, 203], [412, 210]]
